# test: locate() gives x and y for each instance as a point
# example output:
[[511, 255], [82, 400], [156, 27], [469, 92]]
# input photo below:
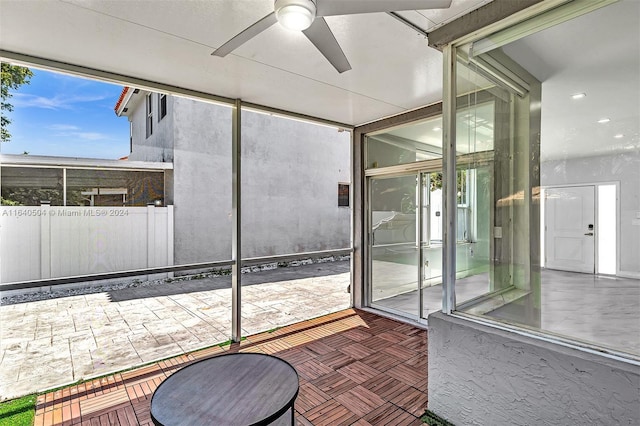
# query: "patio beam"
[[236, 240], [449, 181], [473, 21]]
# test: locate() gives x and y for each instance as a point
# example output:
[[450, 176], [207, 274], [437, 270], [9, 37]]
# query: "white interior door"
[[570, 228]]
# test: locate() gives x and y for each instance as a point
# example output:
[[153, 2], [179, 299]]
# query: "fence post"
[[151, 237], [170, 238], [45, 240]]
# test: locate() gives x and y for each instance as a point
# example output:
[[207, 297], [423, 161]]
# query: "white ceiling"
[[474, 127], [597, 54], [393, 71], [170, 42]]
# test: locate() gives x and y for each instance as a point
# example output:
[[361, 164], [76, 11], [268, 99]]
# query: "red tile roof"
[[125, 90]]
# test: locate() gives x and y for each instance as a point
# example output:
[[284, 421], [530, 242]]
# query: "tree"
[[435, 182], [13, 76]]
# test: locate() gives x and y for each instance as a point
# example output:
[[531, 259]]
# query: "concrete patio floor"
[[54, 342]]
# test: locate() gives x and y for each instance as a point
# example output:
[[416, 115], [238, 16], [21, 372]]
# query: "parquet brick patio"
[[355, 368]]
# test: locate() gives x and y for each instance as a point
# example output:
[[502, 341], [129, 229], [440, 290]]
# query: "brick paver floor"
[[54, 342], [355, 368]]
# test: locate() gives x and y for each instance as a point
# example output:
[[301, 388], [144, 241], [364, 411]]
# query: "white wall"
[[49, 242], [624, 168]]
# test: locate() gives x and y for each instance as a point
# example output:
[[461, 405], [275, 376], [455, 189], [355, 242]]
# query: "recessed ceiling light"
[[578, 96], [437, 129], [619, 136], [604, 120]]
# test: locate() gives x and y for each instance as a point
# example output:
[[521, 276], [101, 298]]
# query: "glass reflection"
[[562, 219], [394, 255]]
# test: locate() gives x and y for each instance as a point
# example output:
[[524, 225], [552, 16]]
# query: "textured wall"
[[290, 175], [159, 146], [202, 181], [479, 375]]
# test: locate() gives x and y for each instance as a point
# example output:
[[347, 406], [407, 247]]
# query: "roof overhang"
[[10, 160]]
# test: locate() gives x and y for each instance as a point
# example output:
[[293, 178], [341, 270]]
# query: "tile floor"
[[354, 367], [594, 309], [59, 341]]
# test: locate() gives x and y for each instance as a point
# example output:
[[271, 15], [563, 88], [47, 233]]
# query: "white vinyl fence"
[[50, 242]]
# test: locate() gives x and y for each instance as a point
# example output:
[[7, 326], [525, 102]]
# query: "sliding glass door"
[[394, 256], [405, 243]]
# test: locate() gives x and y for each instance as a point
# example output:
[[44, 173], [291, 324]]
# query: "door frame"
[[411, 169], [596, 241]]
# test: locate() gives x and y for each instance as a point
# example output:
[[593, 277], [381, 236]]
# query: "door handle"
[[589, 233]]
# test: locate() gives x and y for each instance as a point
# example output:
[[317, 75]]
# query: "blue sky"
[[66, 116]]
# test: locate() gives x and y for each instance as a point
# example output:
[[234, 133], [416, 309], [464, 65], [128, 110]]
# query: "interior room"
[[588, 196]]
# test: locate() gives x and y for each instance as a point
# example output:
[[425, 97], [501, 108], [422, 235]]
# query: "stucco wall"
[[624, 168], [290, 176], [202, 181], [159, 146], [479, 375]]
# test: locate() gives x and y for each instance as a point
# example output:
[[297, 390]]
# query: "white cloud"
[[70, 131], [63, 127], [23, 100], [91, 136]]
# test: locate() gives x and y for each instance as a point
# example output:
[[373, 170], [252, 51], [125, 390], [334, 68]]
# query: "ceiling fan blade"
[[246, 35], [323, 39], [352, 7]]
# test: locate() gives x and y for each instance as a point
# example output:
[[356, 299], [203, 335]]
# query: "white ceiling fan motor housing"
[[297, 15]]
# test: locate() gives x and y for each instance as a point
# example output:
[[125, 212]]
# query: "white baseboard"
[[629, 274]]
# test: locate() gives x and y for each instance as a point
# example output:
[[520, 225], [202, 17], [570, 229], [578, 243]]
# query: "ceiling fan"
[[308, 16]]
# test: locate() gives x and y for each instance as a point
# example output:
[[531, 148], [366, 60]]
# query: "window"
[[162, 106], [35, 183], [343, 195], [149, 116], [465, 218], [546, 213]]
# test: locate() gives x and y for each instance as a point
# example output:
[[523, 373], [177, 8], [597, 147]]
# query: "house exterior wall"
[[201, 181], [159, 146], [290, 176], [600, 169], [502, 378]]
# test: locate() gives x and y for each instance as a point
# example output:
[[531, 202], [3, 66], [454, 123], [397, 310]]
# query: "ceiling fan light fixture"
[[297, 15]]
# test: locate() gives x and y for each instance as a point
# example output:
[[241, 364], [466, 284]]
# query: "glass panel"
[[291, 205], [27, 186], [585, 175], [115, 202], [114, 188], [431, 243], [150, 186], [419, 141], [433, 213], [474, 124], [494, 269], [394, 255], [196, 137], [472, 255]]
